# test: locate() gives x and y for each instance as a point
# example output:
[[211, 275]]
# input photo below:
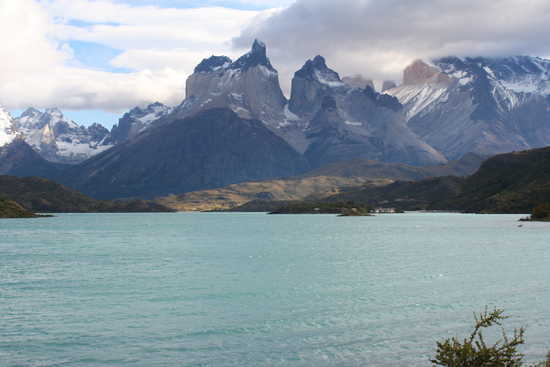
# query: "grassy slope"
[[11, 209], [274, 190]]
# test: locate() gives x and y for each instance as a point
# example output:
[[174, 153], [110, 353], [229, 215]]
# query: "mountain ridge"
[[443, 111], [475, 104]]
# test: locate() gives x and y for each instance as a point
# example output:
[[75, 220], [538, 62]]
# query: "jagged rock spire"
[[256, 56]]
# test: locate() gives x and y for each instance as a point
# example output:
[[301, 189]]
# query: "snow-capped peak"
[[152, 112], [505, 80], [7, 128], [60, 139], [35, 119], [31, 112]]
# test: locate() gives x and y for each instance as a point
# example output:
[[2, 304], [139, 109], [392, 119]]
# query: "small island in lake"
[[348, 209]]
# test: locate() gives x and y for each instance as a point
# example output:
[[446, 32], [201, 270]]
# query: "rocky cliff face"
[[345, 122], [59, 139], [421, 73], [483, 105], [366, 124], [249, 86], [311, 84]]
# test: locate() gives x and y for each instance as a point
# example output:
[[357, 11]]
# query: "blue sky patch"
[[182, 4], [83, 24], [96, 56]]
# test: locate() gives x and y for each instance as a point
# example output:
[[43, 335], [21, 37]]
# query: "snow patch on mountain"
[[418, 98], [328, 79], [490, 105]]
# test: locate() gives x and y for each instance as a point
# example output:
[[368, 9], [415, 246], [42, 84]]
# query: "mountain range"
[[61, 140], [236, 125], [481, 105]]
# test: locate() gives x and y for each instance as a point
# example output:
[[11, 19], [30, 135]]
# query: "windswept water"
[[258, 290]]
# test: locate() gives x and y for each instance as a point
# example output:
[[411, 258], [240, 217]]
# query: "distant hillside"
[[403, 195], [465, 166], [42, 195], [507, 183], [11, 209], [406, 195]]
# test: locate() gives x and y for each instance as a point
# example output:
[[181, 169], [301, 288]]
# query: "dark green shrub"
[[473, 351]]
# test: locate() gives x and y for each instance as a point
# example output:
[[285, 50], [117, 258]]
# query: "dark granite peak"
[[318, 63], [212, 63], [259, 47]]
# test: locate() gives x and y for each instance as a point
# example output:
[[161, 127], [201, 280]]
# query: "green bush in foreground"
[[473, 351]]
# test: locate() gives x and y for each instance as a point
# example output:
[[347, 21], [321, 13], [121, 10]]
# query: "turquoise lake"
[[192, 289]]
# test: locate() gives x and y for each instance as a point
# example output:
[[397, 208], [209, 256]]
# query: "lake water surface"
[[257, 290]]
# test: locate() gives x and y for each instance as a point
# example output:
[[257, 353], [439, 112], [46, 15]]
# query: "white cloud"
[[148, 27], [373, 38], [379, 38], [162, 45]]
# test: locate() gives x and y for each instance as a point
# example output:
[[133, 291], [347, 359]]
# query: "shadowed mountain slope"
[[212, 149]]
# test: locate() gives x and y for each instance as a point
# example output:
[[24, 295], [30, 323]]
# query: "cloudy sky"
[[97, 58]]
